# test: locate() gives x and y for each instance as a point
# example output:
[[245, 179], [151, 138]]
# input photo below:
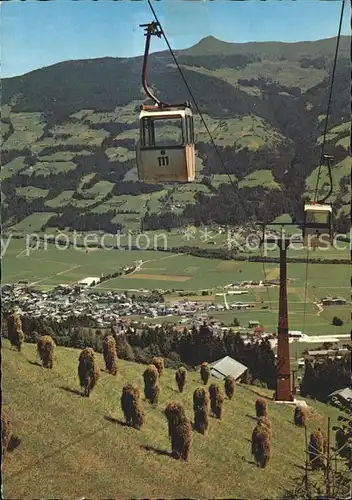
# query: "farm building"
[[301, 363], [227, 366], [253, 324], [342, 396], [325, 353], [88, 281], [239, 305], [271, 282], [295, 334], [321, 353], [333, 301]]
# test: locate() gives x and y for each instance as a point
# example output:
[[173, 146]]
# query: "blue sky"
[[36, 34]]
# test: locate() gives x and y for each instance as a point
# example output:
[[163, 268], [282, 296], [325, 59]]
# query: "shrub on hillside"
[[158, 362], [180, 431], [316, 450], [15, 332], [45, 350], [110, 354], [88, 370], [201, 408], [265, 422], [151, 384], [216, 400], [204, 373], [230, 385], [261, 407], [132, 406], [261, 445], [181, 377], [299, 416]]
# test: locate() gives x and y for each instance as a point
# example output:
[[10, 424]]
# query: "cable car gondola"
[[317, 228], [165, 151], [317, 231]]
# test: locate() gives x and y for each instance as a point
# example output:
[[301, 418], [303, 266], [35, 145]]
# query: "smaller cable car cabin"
[[165, 151], [317, 229]]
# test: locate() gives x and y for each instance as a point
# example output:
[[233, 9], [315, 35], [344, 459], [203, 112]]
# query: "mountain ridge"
[[345, 41], [239, 46]]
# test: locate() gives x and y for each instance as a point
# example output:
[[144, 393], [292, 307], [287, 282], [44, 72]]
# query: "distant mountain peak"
[[208, 39], [210, 45]]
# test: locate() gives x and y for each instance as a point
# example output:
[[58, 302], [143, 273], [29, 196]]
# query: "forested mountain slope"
[[69, 131]]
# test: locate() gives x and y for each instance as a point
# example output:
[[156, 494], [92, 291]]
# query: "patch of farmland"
[[50, 168], [13, 167], [74, 133], [120, 154], [263, 178], [339, 170], [64, 155], [28, 128], [61, 200], [100, 189], [33, 222], [31, 192]]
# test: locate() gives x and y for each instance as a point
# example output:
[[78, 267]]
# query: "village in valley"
[[105, 307], [137, 309]]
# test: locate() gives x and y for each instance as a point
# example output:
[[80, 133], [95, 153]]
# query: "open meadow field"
[[207, 237], [49, 267], [72, 447]]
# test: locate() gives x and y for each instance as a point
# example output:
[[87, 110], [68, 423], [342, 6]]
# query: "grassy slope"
[[286, 73], [33, 222], [68, 448], [63, 199], [339, 170], [47, 168], [31, 192], [212, 46], [248, 131], [12, 167], [280, 61], [262, 178]]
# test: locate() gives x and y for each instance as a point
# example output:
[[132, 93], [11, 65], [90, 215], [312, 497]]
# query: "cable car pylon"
[[284, 390]]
